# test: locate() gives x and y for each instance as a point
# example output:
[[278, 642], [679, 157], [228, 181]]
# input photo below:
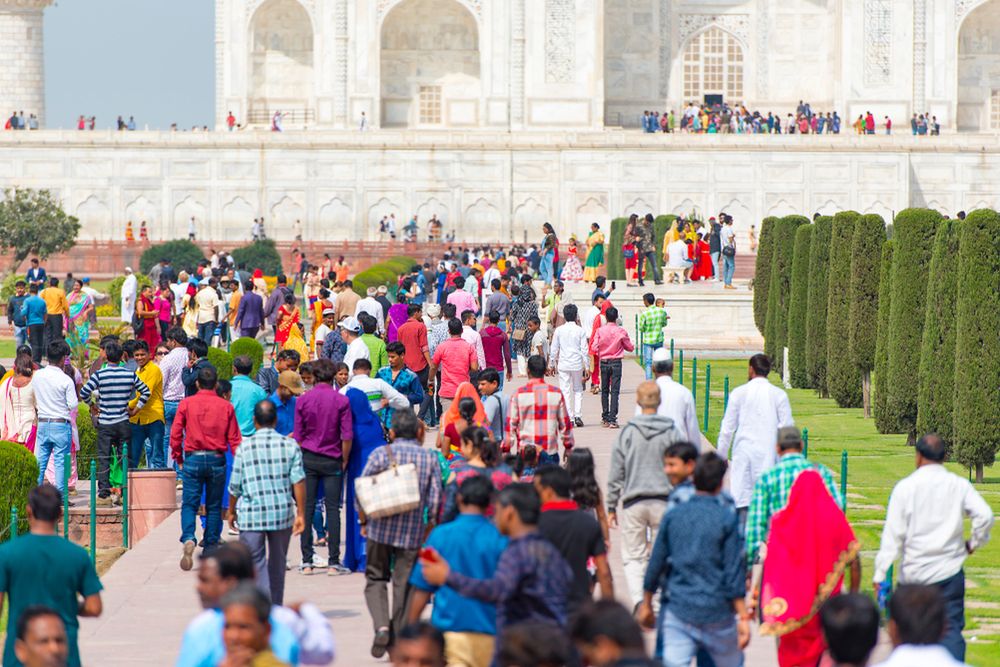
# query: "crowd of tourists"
[[392, 423]]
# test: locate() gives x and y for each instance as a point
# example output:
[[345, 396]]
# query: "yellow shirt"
[[55, 301], [153, 410]]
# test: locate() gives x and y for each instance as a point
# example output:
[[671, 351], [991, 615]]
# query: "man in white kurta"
[[676, 400], [129, 292], [755, 413], [570, 357]]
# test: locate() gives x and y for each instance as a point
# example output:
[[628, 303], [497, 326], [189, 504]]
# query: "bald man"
[[638, 480]]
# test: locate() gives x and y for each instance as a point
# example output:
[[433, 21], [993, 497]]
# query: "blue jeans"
[[54, 439], [953, 592], [545, 268], [715, 264], [206, 331], [169, 412], [20, 336], [148, 437], [681, 642], [647, 357], [203, 473], [728, 269]]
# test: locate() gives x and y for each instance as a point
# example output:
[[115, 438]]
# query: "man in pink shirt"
[[472, 337], [610, 343], [461, 299], [455, 358]]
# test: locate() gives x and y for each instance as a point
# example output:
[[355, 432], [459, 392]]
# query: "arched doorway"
[[979, 70], [281, 63], [713, 66], [430, 68]]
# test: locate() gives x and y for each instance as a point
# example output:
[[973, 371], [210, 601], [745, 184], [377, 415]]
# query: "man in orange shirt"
[[56, 312]]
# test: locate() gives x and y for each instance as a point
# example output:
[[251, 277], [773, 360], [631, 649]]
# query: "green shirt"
[[651, 323], [771, 494], [47, 570], [376, 351]]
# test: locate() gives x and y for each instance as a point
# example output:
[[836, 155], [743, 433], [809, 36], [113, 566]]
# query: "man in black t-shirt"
[[715, 244], [575, 533]]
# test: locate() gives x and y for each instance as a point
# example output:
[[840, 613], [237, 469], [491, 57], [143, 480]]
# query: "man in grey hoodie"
[[638, 480]]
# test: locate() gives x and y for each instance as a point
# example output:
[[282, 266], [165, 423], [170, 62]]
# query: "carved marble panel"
[[560, 40]]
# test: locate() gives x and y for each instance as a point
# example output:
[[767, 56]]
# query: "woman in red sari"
[[288, 317], [809, 547], [703, 267], [149, 316]]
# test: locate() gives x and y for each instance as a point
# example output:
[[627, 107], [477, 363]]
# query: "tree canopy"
[[33, 222]]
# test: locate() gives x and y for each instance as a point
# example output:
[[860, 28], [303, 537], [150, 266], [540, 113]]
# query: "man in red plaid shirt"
[[537, 416]]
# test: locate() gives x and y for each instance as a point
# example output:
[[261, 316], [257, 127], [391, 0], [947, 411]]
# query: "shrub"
[[977, 357], [18, 475], [115, 290], [223, 362], [913, 232], [798, 308], [819, 266], [88, 441], [881, 379], [936, 393], [184, 254], [866, 257], [261, 255], [383, 273], [779, 287], [842, 379], [762, 275], [251, 348], [613, 251], [7, 288]]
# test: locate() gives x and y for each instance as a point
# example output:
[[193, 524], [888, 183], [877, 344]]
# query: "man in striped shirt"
[[115, 386]]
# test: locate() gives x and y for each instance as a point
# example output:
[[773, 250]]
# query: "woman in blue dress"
[[368, 436]]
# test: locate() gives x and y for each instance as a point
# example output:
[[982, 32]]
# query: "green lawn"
[[875, 463]]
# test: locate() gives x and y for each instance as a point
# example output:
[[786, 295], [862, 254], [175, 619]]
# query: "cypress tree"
[[762, 273], [866, 257], [842, 379], [798, 309], [881, 379], [936, 394], [779, 288], [977, 356], [913, 231], [819, 266]]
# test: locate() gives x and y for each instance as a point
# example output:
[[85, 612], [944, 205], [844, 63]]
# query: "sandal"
[[306, 570]]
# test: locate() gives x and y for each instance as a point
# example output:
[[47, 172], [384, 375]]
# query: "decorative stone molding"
[[666, 56], [560, 42], [878, 42], [737, 24], [384, 6], [919, 56], [24, 4], [517, 63], [253, 5], [763, 48], [962, 9], [340, 55]]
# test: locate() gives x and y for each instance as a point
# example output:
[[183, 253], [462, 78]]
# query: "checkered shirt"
[[771, 494], [651, 323], [406, 530], [536, 415], [265, 467]]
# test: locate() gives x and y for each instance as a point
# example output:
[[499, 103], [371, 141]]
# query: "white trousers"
[[639, 523], [571, 385]]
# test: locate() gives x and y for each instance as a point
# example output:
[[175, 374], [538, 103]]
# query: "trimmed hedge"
[[88, 441], [261, 255], [115, 290], [779, 287], [798, 308], [613, 259], [819, 266], [880, 381], [18, 475], [866, 258], [251, 348], [913, 231], [936, 393], [184, 254], [223, 362], [761, 280], [842, 380], [384, 273], [977, 358]]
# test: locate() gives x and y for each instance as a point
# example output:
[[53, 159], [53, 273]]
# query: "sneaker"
[[179, 486], [234, 531], [381, 643], [187, 558], [337, 570], [103, 501], [612, 424], [578, 422]]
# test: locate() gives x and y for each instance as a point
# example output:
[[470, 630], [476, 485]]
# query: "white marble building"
[[544, 64]]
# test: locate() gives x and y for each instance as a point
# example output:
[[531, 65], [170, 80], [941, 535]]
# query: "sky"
[[152, 59]]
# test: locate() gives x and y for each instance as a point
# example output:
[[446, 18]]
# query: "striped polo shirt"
[[115, 385]]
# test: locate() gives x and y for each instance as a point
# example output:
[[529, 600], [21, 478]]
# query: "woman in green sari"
[[595, 253], [78, 325]]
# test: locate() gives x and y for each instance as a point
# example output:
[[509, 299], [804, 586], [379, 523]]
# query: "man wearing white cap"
[[371, 306], [350, 331], [129, 291], [329, 322], [676, 400]]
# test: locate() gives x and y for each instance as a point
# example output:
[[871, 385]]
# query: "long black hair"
[[584, 491]]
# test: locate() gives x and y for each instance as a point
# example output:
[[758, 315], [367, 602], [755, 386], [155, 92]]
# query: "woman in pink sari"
[[809, 547], [17, 403]]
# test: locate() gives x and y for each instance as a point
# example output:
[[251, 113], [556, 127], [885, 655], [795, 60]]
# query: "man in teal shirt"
[[246, 394], [42, 568]]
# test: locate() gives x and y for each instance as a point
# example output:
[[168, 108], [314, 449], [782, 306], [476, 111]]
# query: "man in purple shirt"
[[250, 313], [324, 430]]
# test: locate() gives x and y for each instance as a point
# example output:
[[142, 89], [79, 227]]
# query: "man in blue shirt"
[[401, 378], [472, 545], [15, 316], [34, 311], [290, 386], [246, 394], [37, 275]]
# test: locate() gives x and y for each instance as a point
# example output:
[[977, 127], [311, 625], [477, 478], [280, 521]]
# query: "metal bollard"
[[671, 348], [680, 366], [843, 477], [93, 512], [725, 394], [66, 496], [708, 390], [694, 379], [805, 442], [125, 495]]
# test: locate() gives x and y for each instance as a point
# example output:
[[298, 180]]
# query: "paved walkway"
[[148, 600]]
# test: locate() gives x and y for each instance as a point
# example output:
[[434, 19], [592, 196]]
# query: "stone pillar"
[[22, 78]]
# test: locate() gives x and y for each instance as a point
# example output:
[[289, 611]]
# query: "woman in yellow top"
[[595, 253], [671, 236]]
